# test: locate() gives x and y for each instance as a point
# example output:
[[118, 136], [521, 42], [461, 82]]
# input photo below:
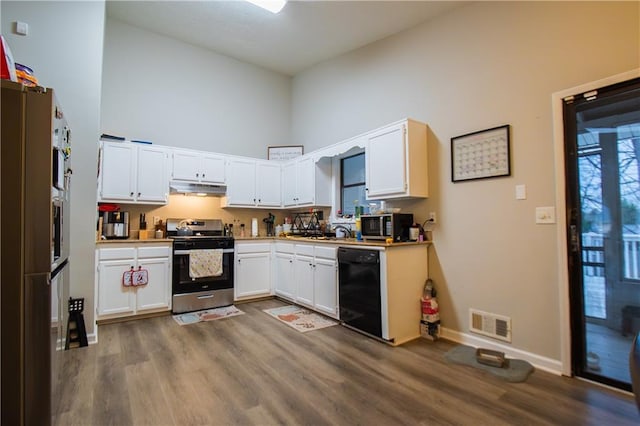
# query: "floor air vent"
[[491, 325]]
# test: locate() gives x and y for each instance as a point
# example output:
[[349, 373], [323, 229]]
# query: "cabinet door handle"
[[131, 193], [138, 194], [203, 175], [197, 174]]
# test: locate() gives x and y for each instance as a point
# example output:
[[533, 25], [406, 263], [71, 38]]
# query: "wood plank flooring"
[[251, 369]]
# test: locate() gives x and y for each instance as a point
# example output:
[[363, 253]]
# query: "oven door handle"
[[187, 251]]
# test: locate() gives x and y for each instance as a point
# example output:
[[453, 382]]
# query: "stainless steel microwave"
[[383, 226]]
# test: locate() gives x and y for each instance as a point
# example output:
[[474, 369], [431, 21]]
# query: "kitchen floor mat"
[[299, 318], [207, 315], [517, 370]]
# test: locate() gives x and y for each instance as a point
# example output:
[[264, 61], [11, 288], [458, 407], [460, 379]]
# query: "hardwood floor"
[[252, 369]]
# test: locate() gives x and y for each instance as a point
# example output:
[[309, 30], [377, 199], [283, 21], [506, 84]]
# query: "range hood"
[[177, 187]]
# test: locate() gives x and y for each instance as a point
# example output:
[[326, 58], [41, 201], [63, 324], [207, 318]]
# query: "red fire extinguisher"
[[430, 311]]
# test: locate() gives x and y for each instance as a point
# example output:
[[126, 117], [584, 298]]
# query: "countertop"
[[134, 241], [339, 241], [336, 241]]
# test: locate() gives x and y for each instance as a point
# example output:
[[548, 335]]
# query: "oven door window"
[[183, 283]]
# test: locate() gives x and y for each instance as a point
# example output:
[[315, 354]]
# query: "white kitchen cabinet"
[[303, 273], [198, 167], [268, 188], [306, 182], [396, 161], [114, 299], [156, 294], [241, 183], [316, 277], [325, 281], [253, 270], [284, 283], [133, 173], [253, 183]]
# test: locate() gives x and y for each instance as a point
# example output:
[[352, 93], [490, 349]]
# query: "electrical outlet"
[[432, 217], [156, 220]]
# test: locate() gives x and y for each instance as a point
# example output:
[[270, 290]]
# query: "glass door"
[[602, 146]]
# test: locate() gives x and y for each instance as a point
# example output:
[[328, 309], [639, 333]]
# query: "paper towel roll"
[[254, 227]]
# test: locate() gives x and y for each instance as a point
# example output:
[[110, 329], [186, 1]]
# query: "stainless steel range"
[[202, 264]]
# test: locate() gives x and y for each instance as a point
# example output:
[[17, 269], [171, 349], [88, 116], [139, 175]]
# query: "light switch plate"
[[521, 192], [545, 215], [22, 28]]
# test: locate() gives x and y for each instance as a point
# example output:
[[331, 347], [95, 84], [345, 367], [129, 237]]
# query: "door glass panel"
[[589, 166], [605, 133]]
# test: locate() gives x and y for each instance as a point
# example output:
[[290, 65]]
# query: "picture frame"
[[284, 152], [482, 154]]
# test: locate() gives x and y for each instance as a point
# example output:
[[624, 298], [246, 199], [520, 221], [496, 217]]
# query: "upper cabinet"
[[253, 183], [133, 173], [305, 182], [198, 167], [396, 161]]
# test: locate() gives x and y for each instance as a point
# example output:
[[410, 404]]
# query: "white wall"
[[480, 66], [64, 48], [172, 93]]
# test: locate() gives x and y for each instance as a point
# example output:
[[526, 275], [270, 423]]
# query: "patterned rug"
[[207, 315], [300, 318]]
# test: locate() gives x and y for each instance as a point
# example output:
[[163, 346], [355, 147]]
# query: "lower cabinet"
[[283, 277], [114, 299], [304, 277], [252, 270], [305, 274], [325, 286], [308, 275]]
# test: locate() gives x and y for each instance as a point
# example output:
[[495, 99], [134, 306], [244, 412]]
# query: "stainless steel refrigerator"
[[34, 230]]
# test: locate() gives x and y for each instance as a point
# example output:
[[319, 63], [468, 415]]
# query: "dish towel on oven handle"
[[205, 263]]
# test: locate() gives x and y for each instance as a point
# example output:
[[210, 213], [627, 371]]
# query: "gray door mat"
[[517, 370]]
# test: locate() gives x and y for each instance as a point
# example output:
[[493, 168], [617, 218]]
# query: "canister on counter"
[[254, 227]]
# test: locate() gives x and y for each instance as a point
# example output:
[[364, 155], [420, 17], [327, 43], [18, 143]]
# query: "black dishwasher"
[[359, 289]]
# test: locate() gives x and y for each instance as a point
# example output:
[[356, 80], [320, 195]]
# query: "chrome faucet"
[[344, 228]]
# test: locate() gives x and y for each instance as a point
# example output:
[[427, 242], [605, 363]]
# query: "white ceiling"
[[303, 34]]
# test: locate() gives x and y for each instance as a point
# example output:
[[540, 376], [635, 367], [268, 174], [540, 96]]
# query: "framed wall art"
[[480, 155], [282, 153]]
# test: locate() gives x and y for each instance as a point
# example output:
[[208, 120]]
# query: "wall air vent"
[[492, 325]]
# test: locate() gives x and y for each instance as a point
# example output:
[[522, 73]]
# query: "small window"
[[352, 183]]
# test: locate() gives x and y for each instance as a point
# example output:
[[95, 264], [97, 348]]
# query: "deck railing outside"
[[593, 269], [593, 255]]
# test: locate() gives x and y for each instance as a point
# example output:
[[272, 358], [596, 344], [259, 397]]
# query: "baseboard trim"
[[255, 299], [543, 363], [92, 338]]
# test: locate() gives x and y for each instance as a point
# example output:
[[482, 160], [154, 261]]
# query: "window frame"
[[363, 184]]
